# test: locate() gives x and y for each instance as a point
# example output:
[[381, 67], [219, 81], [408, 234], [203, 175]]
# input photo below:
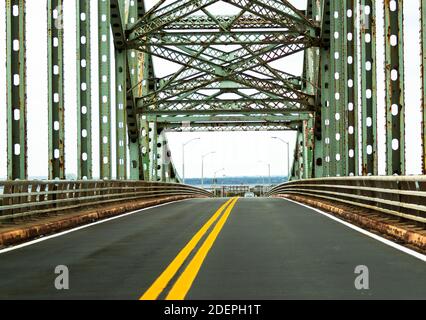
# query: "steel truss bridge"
[[225, 81], [232, 76]]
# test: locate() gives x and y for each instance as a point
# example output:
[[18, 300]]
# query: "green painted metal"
[[311, 86], [351, 94], [394, 80], [326, 89], [162, 157], [55, 64], [338, 114], [153, 151], [204, 65], [368, 68], [423, 76], [135, 62], [104, 44], [145, 150], [333, 91], [145, 87], [120, 114], [16, 90], [215, 88], [84, 105], [298, 169]]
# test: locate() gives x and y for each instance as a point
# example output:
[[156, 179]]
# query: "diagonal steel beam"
[[166, 15]]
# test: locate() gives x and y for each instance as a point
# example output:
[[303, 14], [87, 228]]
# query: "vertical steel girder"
[[334, 91], [120, 100], [368, 67], [55, 52], [423, 75], [326, 88], [308, 138], [144, 124], [104, 44], [153, 151], [127, 119], [394, 80], [338, 114], [351, 94], [120, 114], [135, 63], [298, 169], [84, 117], [315, 142], [163, 159], [16, 90]]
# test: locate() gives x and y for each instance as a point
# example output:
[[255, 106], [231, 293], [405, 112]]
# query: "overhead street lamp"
[[183, 156], [288, 155], [202, 165]]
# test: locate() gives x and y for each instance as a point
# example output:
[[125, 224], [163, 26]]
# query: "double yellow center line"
[[184, 282]]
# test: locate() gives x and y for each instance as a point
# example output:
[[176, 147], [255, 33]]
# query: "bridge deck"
[[267, 248]]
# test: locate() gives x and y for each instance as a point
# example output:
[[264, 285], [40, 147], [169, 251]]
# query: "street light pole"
[[183, 156], [214, 179], [269, 174], [202, 166], [288, 155]]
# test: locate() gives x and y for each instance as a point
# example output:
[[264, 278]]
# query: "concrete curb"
[[399, 233], [20, 235]]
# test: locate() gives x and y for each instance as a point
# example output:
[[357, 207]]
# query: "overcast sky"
[[238, 153]]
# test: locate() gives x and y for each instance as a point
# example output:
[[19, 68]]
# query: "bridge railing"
[[25, 198], [402, 196]]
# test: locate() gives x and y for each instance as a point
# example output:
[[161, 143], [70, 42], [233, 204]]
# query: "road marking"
[[163, 280], [390, 243], [186, 279], [60, 234]]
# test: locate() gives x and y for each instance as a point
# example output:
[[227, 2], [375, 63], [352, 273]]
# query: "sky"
[[239, 153]]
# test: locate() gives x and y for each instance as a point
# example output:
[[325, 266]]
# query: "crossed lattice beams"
[[205, 65]]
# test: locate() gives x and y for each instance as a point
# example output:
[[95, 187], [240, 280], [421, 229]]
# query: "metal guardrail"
[[25, 198], [402, 196]]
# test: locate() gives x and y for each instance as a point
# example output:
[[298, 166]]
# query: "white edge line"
[[29, 243], [390, 243]]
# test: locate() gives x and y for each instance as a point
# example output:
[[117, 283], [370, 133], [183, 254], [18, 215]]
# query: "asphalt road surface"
[[213, 249]]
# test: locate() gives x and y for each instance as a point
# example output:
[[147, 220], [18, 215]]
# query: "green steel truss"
[[55, 51], [394, 75], [104, 43], [230, 76], [423, 79], [16, 90]]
